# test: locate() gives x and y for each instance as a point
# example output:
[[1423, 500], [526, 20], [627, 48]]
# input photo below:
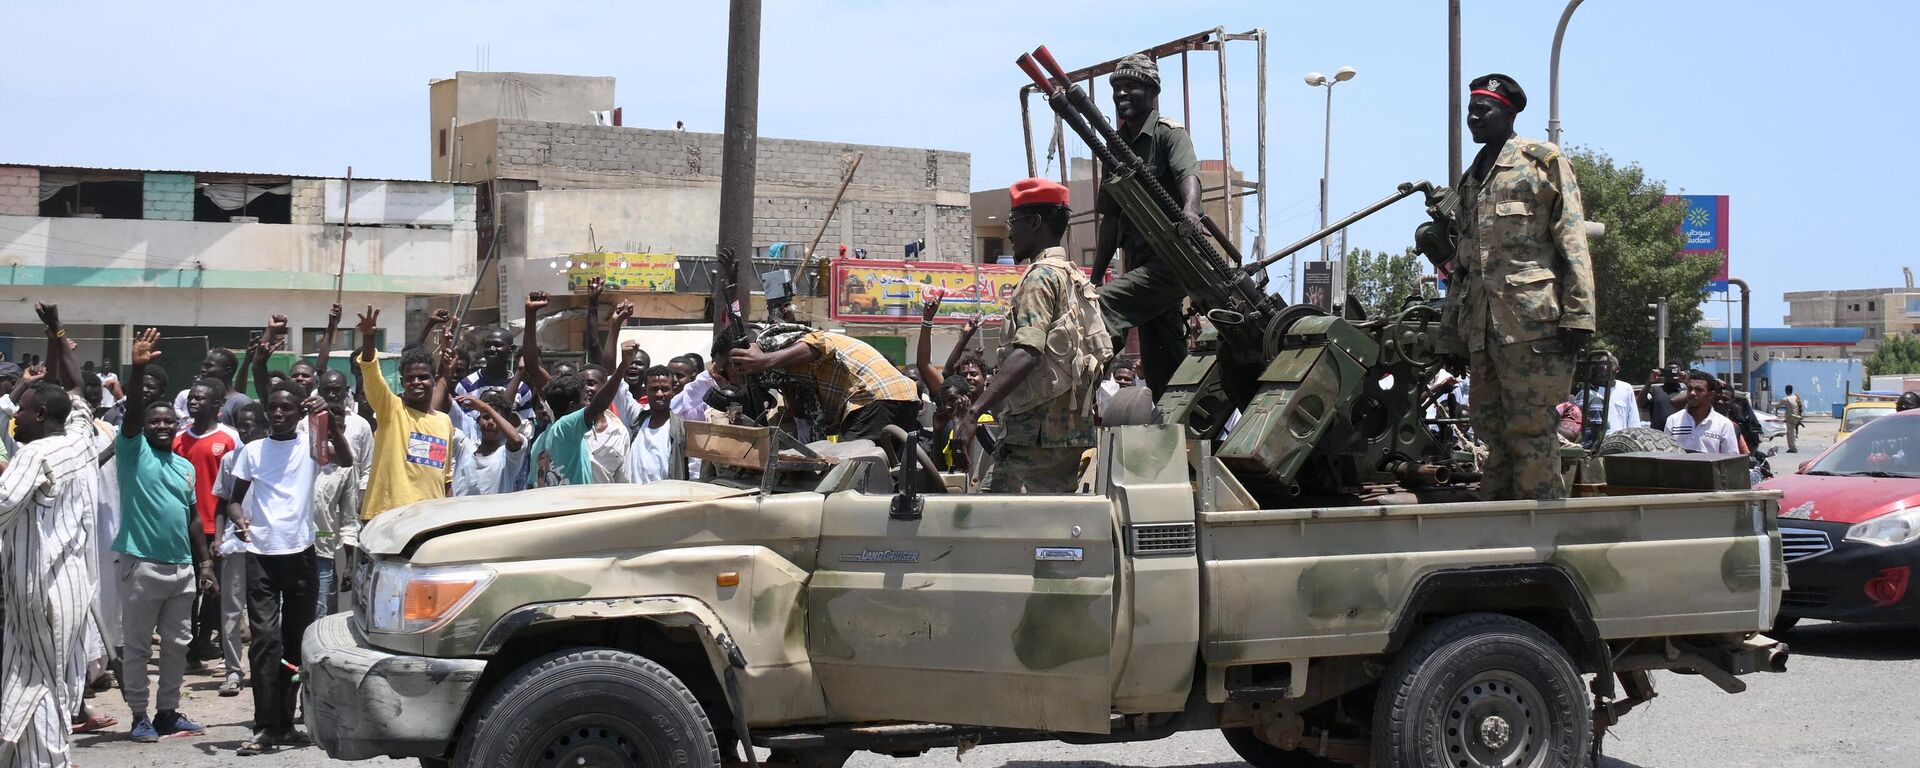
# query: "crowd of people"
[[192, 525]]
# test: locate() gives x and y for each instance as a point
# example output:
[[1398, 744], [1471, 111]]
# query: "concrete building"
[[206, 256], [990, 211], [566, 185], [1878, 312]]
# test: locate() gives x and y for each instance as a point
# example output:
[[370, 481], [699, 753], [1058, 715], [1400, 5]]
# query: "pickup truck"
[[669, 624]]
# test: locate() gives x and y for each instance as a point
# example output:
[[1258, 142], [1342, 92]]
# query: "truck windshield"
[[1884, 447]]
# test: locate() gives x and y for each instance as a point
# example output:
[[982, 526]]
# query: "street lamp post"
[[1318, 80], [1553, 78]]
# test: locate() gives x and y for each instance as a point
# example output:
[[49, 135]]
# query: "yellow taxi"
[[1859, 414]]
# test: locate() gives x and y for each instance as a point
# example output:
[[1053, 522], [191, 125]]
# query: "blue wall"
[[1822, 383]]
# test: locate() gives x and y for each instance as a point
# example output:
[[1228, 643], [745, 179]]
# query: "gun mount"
[[1328, 403]]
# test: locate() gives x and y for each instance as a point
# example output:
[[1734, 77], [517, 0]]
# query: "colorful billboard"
[[1705, 227], [894, 291], [624, 272]]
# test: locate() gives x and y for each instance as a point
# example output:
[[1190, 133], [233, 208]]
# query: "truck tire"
[[1482, 689], [1260, 754], [597, 707], [1637, 440]]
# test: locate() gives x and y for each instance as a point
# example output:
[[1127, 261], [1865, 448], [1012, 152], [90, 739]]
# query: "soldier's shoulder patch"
[[1543, 151], [1171, 123]]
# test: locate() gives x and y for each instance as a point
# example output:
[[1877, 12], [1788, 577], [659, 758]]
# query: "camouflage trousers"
[[1147, 297], [1035, 469], [1515, 387]]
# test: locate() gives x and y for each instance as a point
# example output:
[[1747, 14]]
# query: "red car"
[[1850, 527]]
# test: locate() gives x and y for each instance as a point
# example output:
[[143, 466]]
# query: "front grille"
[[1811, 598], [1798, 544], [1161, 538]]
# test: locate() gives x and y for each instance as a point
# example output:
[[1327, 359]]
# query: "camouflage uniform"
[[1147, 295], [1039, 450], [1521, 273]]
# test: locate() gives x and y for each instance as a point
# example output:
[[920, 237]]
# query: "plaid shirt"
[[851, 374]]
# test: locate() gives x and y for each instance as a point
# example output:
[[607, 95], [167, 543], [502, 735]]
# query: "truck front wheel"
[[597, 707], [1482, 690]]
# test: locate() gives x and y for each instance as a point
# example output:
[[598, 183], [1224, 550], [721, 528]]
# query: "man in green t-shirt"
[[161, 548], [559, 455]]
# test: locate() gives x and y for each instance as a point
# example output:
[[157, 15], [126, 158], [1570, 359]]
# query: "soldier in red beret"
[[1054, 356]]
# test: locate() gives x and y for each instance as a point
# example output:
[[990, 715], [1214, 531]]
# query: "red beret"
[[1038, 191]]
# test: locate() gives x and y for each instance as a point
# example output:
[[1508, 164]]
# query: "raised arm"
[[438, 318], [595, 287], [144, 352], [960, 345], [368, 321], [604, 396], [269, 340], [537, 375], [508, 434], [62, 365], [923, 351], [336, 432], [326, 339], [622, 312], [443, 381]]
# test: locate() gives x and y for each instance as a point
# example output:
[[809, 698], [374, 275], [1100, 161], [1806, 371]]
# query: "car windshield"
[[1859, 417], [1884, 448]]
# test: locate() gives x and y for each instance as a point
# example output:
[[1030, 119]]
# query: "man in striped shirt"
[[859, 392], [47, 494]]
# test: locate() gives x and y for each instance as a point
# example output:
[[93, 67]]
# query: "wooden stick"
[[346, 216], [806, 263]]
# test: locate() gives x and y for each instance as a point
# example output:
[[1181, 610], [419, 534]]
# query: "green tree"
[[1636, 262], [1383, 281], [1896, 354]]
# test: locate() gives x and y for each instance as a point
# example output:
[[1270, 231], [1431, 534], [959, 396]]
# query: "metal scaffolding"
[[1225, 188]]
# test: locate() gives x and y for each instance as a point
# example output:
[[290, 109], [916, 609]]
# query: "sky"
[[1738, 97]]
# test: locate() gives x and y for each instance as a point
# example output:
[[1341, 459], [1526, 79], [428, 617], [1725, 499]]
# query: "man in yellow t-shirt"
[[412, 457]]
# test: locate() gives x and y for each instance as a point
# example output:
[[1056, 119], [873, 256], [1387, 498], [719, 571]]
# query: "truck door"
[[989, 610]]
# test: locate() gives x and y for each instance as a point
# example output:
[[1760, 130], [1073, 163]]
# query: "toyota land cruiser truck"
[[668, 624]]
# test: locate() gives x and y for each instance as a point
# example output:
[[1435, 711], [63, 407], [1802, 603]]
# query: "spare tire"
[[1637, 440]]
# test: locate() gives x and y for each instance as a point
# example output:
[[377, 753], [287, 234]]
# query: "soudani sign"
[[1704, 225]]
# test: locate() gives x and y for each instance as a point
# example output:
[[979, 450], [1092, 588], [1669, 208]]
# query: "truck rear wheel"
[[1480, 690], [1260, 754], [598, 707]]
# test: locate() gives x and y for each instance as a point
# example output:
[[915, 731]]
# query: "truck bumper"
[[363, 702]]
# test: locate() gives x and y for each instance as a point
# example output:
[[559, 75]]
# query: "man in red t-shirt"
[[204, 444]]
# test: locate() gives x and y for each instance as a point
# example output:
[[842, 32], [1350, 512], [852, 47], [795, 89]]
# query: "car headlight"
[[1888, 530], [408, 599]]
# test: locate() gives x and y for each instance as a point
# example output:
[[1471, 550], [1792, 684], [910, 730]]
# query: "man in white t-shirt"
[[1699, 428], [659, 450], [271, 505]]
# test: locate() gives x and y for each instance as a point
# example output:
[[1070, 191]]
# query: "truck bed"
[[1311, 582]]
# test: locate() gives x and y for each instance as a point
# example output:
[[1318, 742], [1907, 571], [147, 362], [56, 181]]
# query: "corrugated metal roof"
[[233, 174]]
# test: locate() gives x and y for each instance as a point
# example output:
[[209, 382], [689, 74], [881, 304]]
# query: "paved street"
[[1843, 702]]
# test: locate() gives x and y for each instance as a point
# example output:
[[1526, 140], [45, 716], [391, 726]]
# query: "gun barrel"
[[1406, 190]]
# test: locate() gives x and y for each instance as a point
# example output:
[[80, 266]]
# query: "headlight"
[[1888, 530], [408, 599]]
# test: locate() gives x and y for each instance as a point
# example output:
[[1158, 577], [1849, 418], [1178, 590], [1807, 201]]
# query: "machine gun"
[[1328, 404]]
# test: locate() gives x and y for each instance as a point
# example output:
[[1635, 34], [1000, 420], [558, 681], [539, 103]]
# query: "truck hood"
[[1843, 499], [392, 532]]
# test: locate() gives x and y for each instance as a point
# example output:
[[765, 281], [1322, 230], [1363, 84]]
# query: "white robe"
[[47, 504]]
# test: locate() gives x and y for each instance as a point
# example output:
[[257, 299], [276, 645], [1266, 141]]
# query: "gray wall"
[[899, 194]]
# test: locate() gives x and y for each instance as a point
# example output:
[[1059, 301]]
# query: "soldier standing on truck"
[[1056, 353], [1146, 296], [1520, 297]]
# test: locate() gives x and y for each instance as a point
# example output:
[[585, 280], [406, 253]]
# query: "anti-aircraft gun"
[[1329, 403]]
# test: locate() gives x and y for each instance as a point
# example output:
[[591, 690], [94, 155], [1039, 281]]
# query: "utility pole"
[[1659, 318], [738, 148], [1453, 92]]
